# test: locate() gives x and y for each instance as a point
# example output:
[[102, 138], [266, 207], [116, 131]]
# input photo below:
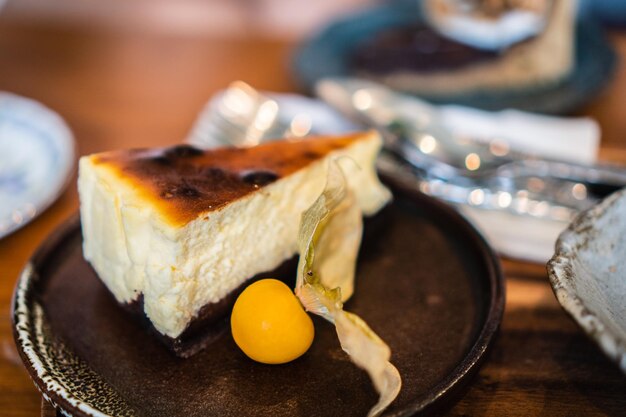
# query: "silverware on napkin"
[[520, 210], [486, 173]]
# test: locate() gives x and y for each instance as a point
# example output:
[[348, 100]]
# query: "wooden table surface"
[[135, 89]]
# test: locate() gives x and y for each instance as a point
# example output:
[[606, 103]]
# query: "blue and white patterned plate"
[[36, 160]]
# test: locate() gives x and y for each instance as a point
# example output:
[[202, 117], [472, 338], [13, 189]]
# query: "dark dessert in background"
[[421, 59], [416, 48]]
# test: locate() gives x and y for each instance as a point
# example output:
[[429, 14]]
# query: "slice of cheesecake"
[[175, 232]]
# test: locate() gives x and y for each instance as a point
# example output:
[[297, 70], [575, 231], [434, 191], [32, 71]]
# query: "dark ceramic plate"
[[427, 283], [328, 54]]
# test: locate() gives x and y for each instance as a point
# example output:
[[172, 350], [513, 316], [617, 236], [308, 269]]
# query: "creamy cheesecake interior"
[[183, 228]]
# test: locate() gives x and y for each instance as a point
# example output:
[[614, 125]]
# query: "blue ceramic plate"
[[36, 160], [327, 55]]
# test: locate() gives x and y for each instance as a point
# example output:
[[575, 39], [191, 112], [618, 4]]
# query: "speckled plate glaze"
[[427, 283], [328, 54], [588, 274], [36, 159]]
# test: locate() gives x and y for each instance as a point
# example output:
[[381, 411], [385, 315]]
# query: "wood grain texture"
[[131, 89], [47, 410]]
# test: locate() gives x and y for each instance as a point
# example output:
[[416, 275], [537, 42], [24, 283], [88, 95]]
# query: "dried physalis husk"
[[329, 239]]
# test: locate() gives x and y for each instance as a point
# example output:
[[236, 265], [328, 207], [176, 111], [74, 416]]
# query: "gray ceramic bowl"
[[588, 274]]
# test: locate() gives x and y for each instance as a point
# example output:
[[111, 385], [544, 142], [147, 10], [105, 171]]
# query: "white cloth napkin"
[[565, 139]]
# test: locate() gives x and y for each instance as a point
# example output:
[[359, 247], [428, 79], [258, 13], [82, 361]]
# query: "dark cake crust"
[[212, 319]]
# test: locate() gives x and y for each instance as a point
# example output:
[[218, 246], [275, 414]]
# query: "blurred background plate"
[[36, 160], [328, 54]]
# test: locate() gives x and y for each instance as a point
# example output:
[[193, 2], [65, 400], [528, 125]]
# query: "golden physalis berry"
[[269, 324]]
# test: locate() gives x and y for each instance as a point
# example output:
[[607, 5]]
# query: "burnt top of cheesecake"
[[185, 182]]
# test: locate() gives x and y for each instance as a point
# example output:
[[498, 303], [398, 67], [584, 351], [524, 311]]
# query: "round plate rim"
[[62, 135], [456, 379]]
